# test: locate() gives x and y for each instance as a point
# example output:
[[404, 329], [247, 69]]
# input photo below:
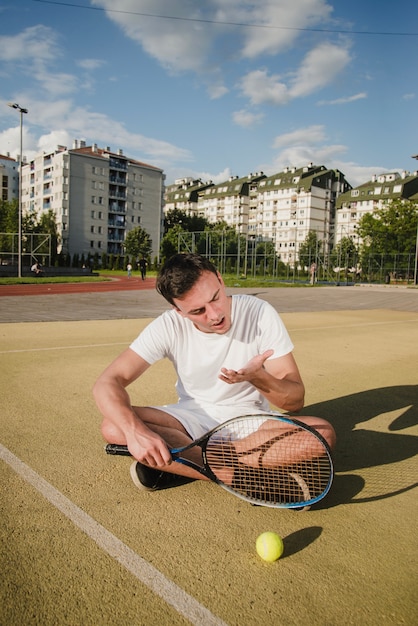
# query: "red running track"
[[42, 289]]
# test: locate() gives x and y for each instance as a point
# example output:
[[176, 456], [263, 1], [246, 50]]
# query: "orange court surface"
[[81, 546]]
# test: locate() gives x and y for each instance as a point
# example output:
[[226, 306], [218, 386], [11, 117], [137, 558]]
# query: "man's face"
[[207, 305]]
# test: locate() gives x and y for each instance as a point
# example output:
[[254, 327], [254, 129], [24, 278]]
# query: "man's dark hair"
[[180, 273]]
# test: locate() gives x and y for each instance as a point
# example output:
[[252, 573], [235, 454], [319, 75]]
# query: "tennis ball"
[[269, 546]]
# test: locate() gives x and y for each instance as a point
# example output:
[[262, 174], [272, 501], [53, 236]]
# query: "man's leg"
[[169, 428]]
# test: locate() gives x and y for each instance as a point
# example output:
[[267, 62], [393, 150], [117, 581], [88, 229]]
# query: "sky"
[[215, 88]]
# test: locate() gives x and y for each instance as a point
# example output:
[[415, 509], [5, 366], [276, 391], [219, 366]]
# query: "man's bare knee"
[[323, 427]]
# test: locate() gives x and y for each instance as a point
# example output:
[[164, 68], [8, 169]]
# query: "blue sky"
[[213, 88]]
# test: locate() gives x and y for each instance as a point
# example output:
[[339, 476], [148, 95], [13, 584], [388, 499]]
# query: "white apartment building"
[[369, 197], [229, 201], [9, 176], [294, 202], [281, 208], [183, 195], [96, 195]]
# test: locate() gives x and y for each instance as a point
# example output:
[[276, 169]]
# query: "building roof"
[[105, 153], [387, 186], [300, 178], [234, 186]]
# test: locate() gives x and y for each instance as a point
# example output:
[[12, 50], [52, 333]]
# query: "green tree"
[[190, 223], [9, 216], [344, 254], [138, 243], [310, 249], [390, 230], [169, 243]]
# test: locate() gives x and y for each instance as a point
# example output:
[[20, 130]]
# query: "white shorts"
[[198, 421]]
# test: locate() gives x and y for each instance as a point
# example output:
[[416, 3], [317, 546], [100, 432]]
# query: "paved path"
[[135, 300]]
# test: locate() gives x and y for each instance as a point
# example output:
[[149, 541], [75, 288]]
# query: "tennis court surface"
[[80, 545]]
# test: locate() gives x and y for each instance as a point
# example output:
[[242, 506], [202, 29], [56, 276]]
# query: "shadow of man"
[[374, 434]]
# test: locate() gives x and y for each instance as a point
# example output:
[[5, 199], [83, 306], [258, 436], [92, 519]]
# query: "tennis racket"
[[267, 459]]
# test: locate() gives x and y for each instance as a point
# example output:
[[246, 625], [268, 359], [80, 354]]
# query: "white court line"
[[146, 573], [291, 330], [88, 345]]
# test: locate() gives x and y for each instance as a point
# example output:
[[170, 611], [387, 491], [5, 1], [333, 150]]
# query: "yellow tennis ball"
[[269, 546]]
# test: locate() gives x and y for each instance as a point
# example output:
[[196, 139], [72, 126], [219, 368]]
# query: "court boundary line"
[[147, 574]]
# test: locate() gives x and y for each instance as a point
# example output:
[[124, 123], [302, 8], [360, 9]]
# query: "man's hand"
[[150, 449], [248, 373]]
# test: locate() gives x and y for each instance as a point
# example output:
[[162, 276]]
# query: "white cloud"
[[308, 136], [34, 43], [309, 145], [260, 88], [90, 64], [180, 42], [178, 45], [66, 122], [289, 18], [347, 100], [246, 118], [319, 68]]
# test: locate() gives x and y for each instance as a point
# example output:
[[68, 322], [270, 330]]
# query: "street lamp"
[[415, 156], [14, 105]]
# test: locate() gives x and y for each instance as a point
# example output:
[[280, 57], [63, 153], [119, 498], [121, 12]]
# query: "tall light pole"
[[21, 110], [415, 156]]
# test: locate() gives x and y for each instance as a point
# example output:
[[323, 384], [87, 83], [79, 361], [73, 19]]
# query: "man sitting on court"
[[232, 356]]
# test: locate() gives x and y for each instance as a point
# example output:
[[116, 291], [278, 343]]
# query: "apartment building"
[[281, 208], [229, 201], [9, 177], [96, 195], [369, 197], [183, 195]]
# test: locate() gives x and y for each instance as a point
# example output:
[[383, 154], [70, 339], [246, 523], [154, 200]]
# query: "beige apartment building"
[[97, 196], [294, 202], [281, 208], [369, 197]]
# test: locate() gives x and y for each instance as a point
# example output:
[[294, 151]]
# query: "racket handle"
[[115, 448]]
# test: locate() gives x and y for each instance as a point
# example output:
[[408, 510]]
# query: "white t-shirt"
[[198, 357]]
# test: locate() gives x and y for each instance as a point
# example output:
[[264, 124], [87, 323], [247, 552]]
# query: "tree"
[[9, 216], [138, 243], [345, 254], [190, 223], [309, 249], [390, 230]]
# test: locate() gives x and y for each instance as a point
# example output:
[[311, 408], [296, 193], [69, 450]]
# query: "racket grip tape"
[[115, 448]]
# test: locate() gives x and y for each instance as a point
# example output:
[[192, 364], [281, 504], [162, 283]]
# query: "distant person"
[[143, 267], [129, 268], [36, 269], [312, 271]]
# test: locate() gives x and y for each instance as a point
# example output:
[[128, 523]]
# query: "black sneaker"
[[150, 479]]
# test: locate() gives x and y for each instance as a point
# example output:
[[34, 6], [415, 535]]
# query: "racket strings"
[[266, 466]]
